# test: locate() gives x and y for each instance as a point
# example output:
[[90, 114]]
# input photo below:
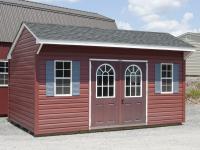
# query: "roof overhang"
[[116, 45], [187, 51]]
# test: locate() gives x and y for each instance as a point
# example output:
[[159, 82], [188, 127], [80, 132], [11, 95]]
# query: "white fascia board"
[[114, 45], [17, 38]]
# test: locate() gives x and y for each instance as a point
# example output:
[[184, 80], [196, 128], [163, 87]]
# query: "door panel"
[[105, 110], [133, 107], [118, 109]]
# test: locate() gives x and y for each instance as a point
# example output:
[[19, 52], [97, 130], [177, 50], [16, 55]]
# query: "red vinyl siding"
[[64, 114], [4, 48], [22, 82], [165, 108]]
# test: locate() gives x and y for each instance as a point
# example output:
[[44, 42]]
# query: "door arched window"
[[133, 81], [105, 81]]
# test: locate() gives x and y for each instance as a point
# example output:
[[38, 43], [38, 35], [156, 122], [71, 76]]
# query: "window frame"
[[161, 78], [5, 73], [141, 91], [114, 84], [55, 94]]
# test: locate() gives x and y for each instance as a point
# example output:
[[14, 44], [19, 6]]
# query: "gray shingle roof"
[[86, 34], [14, 12]]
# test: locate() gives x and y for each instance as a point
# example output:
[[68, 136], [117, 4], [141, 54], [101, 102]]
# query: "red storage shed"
[[67, 78]]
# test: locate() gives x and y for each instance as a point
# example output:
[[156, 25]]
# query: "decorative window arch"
[[133, 81], [105, 81]]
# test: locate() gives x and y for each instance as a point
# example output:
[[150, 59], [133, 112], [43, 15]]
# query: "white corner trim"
[[117, 45], [17, 38], [147, 90], [90, 95], [39, 49]]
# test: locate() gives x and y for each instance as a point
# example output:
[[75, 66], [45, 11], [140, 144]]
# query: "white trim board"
[[122, 60], [147, 90], [114, 45]]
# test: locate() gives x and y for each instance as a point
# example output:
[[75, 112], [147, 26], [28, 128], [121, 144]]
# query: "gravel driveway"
[[185, 137]]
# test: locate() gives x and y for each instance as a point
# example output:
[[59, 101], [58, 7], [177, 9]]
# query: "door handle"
[[122, 101]]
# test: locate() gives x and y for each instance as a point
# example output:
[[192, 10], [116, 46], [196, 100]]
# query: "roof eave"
[[114, 45]]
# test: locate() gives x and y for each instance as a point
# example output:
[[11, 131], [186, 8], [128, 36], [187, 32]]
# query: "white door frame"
[[117, 60]]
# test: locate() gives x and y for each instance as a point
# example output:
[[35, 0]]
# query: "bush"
[[193, 92], [197, 85]]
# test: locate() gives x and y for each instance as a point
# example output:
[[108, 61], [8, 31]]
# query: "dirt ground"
[[182, 137]]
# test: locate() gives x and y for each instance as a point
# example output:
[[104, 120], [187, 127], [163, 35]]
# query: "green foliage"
[[197, 85], [193, 92]]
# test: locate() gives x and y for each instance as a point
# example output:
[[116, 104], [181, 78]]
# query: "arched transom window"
[[105, 81], [133, 81]]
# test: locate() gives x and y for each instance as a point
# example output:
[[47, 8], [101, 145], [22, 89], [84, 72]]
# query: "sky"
[[173, 16]]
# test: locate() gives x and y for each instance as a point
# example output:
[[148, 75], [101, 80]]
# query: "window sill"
[[3, 86], [62, 95], [166, 93]]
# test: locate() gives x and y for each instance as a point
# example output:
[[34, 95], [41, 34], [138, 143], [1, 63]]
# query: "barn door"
[[133, 97], [105, 98], [118, 93]]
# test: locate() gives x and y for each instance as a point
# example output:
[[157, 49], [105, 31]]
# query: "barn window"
[[3, 73], [133, 81], [166, 78], [63, 78], [105, 81]]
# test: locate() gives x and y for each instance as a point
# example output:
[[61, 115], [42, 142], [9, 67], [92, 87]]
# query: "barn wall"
[[21, 84], [4, 48], [3, 101], [63, 114]]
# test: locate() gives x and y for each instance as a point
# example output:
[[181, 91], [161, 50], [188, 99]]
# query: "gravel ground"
[[184, 137]]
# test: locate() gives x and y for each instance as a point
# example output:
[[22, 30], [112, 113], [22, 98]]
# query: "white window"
[[166, 78], [63, 78], [3, 73], [133, 81], [105, 81]]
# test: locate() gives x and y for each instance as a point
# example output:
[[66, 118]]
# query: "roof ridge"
[[99, 16], [58, 6]]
